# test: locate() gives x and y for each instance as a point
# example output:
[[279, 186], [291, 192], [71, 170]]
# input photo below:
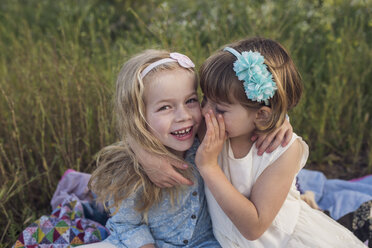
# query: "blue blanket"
[[337, 196]]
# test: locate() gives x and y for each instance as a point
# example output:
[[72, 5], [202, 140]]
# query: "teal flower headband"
[[257, 80]]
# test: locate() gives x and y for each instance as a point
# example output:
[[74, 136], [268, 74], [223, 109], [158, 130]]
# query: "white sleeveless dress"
[[296, 225]]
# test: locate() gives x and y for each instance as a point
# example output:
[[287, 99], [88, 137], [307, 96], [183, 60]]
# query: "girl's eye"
[[192, 100], [166, 107], [219, 111]]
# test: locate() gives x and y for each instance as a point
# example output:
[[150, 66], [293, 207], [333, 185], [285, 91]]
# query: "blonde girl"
[[157, 107], [249, 86]]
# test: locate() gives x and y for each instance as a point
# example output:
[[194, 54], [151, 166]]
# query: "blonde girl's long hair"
[[220, 83], [119, 174]]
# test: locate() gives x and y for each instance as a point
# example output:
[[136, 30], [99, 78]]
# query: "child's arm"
[[251, 216]]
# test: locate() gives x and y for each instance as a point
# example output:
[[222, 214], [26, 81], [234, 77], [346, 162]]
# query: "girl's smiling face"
[[172, 108]]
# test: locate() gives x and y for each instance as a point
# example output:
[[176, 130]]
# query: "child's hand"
[[269, 142], [309, 198], [159, 169], [208, 151], [162, 173]]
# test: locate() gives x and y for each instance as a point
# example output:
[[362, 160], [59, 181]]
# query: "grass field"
[[59, 60]]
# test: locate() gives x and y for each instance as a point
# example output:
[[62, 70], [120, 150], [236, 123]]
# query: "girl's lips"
[[183, 134]]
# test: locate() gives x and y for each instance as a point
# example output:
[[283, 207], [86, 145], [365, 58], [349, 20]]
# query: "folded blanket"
[[65, 227], [337, 196], [76, 219]]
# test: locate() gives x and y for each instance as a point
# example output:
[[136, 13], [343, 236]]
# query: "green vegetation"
[[59, 60]]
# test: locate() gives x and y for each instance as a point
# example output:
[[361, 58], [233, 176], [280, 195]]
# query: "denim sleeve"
[[127, 227]]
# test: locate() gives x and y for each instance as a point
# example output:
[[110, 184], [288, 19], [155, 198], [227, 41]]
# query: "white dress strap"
[[267, 159]]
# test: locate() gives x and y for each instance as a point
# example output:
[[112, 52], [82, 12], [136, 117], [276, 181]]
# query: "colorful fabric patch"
[[65, 227]]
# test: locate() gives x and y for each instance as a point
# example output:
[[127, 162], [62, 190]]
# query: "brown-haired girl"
[[248, 87]]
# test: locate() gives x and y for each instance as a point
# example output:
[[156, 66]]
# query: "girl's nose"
[[183, 114]]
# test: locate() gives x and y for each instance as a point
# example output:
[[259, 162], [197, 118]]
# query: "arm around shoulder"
[[159, 169]]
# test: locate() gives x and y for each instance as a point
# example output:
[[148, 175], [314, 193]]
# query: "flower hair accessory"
[[257, 80], [181, 59]]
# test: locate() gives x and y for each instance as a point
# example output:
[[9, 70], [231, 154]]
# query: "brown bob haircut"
[[219, 82]]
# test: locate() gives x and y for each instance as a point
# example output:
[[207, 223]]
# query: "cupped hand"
[[211, 146]]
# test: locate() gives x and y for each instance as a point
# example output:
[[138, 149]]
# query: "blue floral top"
[[186, 224]]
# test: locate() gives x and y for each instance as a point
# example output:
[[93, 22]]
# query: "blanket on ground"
[[75, 220], [337, 196]]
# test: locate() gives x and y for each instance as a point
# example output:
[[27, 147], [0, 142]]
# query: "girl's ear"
[[263, 115]]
